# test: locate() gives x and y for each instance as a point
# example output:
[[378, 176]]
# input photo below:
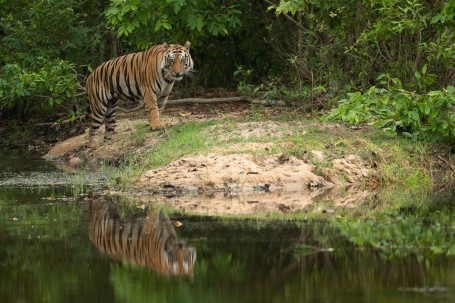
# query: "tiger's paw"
[[156, 126], [92, 144]]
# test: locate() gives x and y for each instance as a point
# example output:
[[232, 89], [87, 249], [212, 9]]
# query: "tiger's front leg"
[[151, 105]]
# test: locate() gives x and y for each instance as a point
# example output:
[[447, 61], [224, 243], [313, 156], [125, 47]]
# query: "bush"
[[42, 44], [418, 115], [340, 44], [46, 86]]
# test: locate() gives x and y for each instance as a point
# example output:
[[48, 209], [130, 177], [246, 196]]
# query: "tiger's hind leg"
[[96, 120], [109, 119]]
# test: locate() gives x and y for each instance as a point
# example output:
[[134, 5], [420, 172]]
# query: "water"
[[57, 245]]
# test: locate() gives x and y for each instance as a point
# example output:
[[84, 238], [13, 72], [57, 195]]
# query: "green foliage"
[[52, 83], [244, 85], [288, 7], [174, 19], [224, 35], [344, 44], [44, 46], [41, 28], [419, 115], [361, 108], [274, 88]]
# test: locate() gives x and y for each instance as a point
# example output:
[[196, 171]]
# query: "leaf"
[[435, 19], [383, 123], [434, 93], [185, 114], [414, 115], [424, 69]]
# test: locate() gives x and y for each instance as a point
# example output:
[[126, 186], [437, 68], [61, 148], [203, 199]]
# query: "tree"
[[43, 48], [149, 22]]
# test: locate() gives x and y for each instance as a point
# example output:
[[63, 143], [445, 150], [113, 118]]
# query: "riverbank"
[[240, 159]]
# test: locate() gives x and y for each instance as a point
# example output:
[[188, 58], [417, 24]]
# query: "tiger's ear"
[[165, 45], [187, 45]]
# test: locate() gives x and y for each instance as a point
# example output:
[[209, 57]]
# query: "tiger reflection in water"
[[151, 243]]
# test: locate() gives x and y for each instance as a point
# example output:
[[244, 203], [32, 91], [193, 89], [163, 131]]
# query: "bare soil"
[[237, 180]]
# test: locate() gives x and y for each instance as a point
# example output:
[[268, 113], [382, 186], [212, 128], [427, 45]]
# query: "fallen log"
[[212, 101], [226, 100]]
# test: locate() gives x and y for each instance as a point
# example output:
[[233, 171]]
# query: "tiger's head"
[[177, 61], [180, 259]]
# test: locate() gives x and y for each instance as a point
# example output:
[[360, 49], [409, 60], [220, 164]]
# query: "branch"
[[78, 95], [212, 101], [123, 110], [225, 100], [55, 124], [296, 23]]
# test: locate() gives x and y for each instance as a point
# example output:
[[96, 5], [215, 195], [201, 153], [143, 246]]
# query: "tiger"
[[144, 76], [152, 244]]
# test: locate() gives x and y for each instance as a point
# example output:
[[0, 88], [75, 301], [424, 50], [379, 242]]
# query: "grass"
[[398, 162], [181, 140], [140, 134]]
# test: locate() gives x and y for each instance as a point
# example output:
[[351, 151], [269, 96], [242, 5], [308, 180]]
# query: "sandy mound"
[[237, 184], [235, 173]]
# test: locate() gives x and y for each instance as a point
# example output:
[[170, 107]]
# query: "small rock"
[[262, 188], [328, 211], [200, 190], [74, 160], [313, 184], [283, 158], [317, 155], [283, 208]]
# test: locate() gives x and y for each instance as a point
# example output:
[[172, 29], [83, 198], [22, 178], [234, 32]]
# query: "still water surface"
[[56, 246]]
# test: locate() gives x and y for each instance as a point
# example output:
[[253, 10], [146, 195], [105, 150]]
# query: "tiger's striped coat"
[[147, 76], [152, 243]]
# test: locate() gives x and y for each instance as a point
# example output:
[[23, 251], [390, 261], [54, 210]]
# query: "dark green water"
[[49, 252]]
